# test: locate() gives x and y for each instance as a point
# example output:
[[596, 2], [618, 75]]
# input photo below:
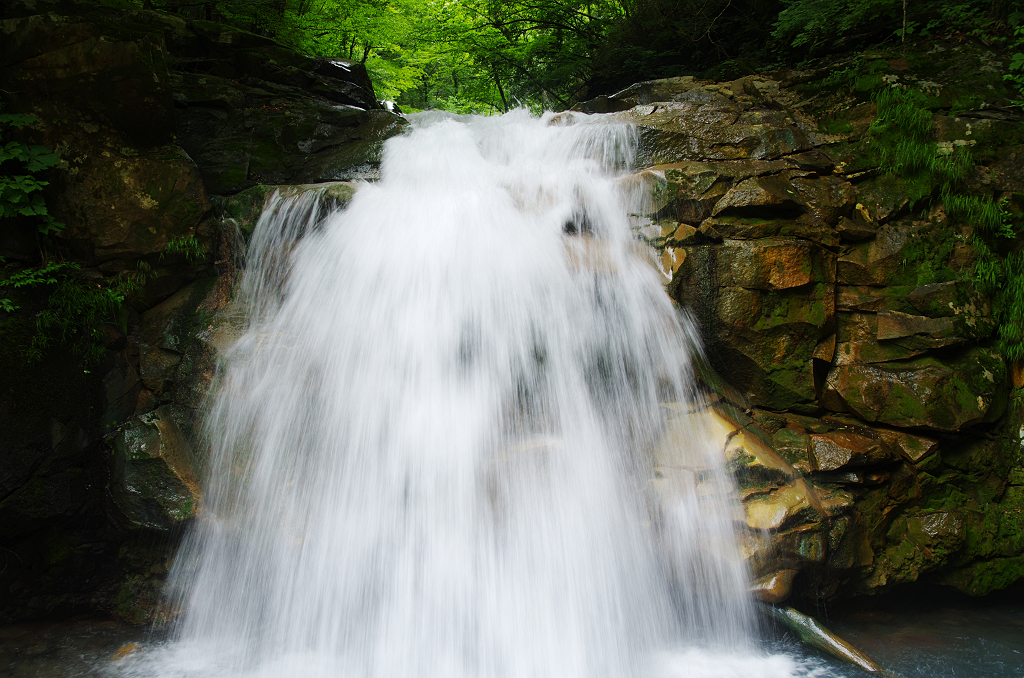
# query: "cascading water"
[[432, 450]]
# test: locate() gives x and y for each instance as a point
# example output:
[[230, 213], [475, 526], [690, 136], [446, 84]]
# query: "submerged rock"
[[812, 632]]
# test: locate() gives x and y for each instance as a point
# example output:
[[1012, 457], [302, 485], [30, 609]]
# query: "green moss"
[[908, 406], [231, 179], [984, 577]]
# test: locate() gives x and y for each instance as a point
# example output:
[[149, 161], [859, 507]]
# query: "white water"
[[430, 452]]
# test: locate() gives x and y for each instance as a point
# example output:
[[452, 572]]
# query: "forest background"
[[488, 55]]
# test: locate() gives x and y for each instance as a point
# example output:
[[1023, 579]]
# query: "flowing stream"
[[431, 451]]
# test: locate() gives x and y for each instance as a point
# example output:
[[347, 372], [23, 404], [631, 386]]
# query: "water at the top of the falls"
[[431, 455]]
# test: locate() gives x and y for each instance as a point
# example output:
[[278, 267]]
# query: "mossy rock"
[[916, 544], [153, 482], [942, 394], [168, 330]]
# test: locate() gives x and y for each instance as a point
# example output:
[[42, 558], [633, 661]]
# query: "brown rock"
[[773, 588], [843, 449], [710, 127], [878, 261], [945, 395], [854, 230], [914, 448], [773, 264], [869, 298], [917, 331]]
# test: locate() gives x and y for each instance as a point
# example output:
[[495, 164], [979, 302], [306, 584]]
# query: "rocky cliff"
[[868, 409]]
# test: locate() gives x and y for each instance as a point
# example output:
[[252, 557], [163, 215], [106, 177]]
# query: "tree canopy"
[[491, 55]]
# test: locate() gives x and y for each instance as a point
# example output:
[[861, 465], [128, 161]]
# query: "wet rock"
[[710, 127], [773, 264], [794, 445], [153, 483], [986, 576], [242, 135], [773, 588], [916, 331], [854, 230], [915, 544], [844, 449], [879, 261], [113, 73], [804, 546], [763, 307], [945, 395], [881, 198], [814, 634], [804, 227], [167, 332], [750, 196], [666, 89], [914, 448], [128, 204], [869, 298], [784, 507], [756, 466], [121, 390]]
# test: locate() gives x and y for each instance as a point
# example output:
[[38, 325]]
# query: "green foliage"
[[75, 313], [814, 23], [1016, 65], [75, 308], [19, 188], [486, 56], [984, 213], [193, 250], [904, 145], [1001, 278], [902, 135], [1011, 325], [818, 25]]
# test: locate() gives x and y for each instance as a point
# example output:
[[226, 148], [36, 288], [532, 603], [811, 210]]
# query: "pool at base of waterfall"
[[913, 638], [932, 640]]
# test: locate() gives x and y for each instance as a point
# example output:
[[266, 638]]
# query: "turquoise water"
[[931, 634]]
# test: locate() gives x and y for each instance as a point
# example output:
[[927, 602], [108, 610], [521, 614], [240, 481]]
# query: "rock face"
[[302, 121], [167, 130], [866, 411]]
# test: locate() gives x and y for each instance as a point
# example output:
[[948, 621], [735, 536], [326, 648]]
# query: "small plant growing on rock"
[[20, 189], [1016, 65], [189, 246]]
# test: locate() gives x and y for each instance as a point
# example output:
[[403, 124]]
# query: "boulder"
[[943, 395], [879, 261], [241, 135], [773, 588], [916, 543], [846, 449], [704, 125], [103, 73], [153, 483], [167, 333], [127, 204]]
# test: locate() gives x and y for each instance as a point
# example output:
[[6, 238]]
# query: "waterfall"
[[433, 451]]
